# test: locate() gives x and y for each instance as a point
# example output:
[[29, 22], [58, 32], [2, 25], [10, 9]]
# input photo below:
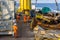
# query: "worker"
[[15, 28], [18, 17], [28, 18], [25, 19]]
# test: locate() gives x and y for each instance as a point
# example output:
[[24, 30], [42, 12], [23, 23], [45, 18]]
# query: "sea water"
[[50, 5]]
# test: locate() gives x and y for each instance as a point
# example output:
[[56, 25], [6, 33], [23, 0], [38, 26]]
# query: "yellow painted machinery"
[[25, 5], [41, 16]]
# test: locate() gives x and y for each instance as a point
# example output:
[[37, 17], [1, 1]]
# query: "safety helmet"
[[14, 21], [15, 24]]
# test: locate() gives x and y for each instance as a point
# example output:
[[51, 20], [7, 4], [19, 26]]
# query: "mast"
[[35, 4], [56, 5]]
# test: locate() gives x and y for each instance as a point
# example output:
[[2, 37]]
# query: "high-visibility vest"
[[25, 18], [15, 28]]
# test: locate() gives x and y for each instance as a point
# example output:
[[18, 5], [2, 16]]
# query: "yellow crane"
[[25, 5]]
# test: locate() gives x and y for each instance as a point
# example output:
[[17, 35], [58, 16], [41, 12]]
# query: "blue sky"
[[45, 1]]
